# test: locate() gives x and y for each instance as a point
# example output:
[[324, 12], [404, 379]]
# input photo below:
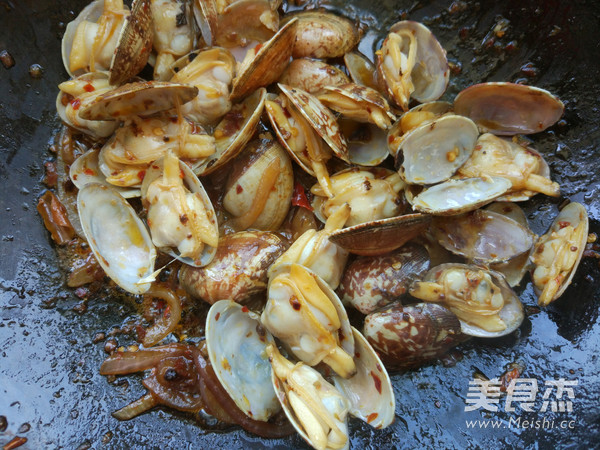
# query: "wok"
[[50, 389]]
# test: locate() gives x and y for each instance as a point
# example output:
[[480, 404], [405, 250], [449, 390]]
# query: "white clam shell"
[[117, 236], [236, 347], [370, 391], [434, 151]]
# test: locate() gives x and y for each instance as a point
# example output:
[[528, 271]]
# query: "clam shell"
[[206, 15], [434, 151], [236, 345], [193, 185], [312, 75], [267, 65], [512, 312], [370, 391], [117, 236], [508, 108], [242, 21], [321, 34], [573, 214], [142, 98], [367, 143], [459, 196], [361, 69], [430, 74], [234, 131], [412, 119], [407, 337], [381, 236], [85, 170], [321, 119], [238, 270], [482, 236], [135, 44], [244, 180], [371, 282]]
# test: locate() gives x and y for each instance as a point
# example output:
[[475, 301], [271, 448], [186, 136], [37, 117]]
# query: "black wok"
[[50, 389]]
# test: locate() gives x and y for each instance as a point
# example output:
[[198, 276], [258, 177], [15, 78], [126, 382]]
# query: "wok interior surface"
[[50, 389]]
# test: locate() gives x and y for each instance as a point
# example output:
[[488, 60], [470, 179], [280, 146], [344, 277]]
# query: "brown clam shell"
[[381, 236], [135, 44], [407, 337], [238, 270], [312, 75], [371, 282]]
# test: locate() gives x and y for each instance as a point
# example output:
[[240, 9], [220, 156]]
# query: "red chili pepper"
[[89, 88], [299, 198], [75, 104]]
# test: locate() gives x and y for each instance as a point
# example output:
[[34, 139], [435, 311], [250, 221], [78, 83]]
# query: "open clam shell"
[[234, 131], [267, 64], [557, 253], [243, 21], [315, 328], [321, 119], [459, 196], [508, 108], [367, 143], [236, 344], [135, 43], [482, 236], [85, 170], [434, 151], [361, 69], [514, 269], [482, 300], [381, 236], [117, 236], [370, 391], [193, 185], [142, 98]]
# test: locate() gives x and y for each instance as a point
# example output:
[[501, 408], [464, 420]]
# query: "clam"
[[316, 409], [360, 103], [240, 361], [315, 251], [181, 217], [312, 75], [259, 187], [434, 151], [482, 300], [523, 166], [482, 236], [304, 313], [75, 94], [558, 252], [367, 143], [321, 34], [370, 391], [141, 98], [264, 63], [371, 282], [211, 72], [381, 236], [409, 336], [234, 131], [85, 170], [106, 36], [412, 64], [459, 196], [514, 269], [126, 252], [361, 69], [238, 269], [414, 118], [174, 34], [127, 155], [372, 193], [508, 108]]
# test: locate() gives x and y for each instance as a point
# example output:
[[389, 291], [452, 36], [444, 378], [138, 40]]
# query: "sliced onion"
[[166, 322]]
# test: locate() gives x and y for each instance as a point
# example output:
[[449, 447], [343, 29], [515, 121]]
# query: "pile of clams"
[[286, 178]]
